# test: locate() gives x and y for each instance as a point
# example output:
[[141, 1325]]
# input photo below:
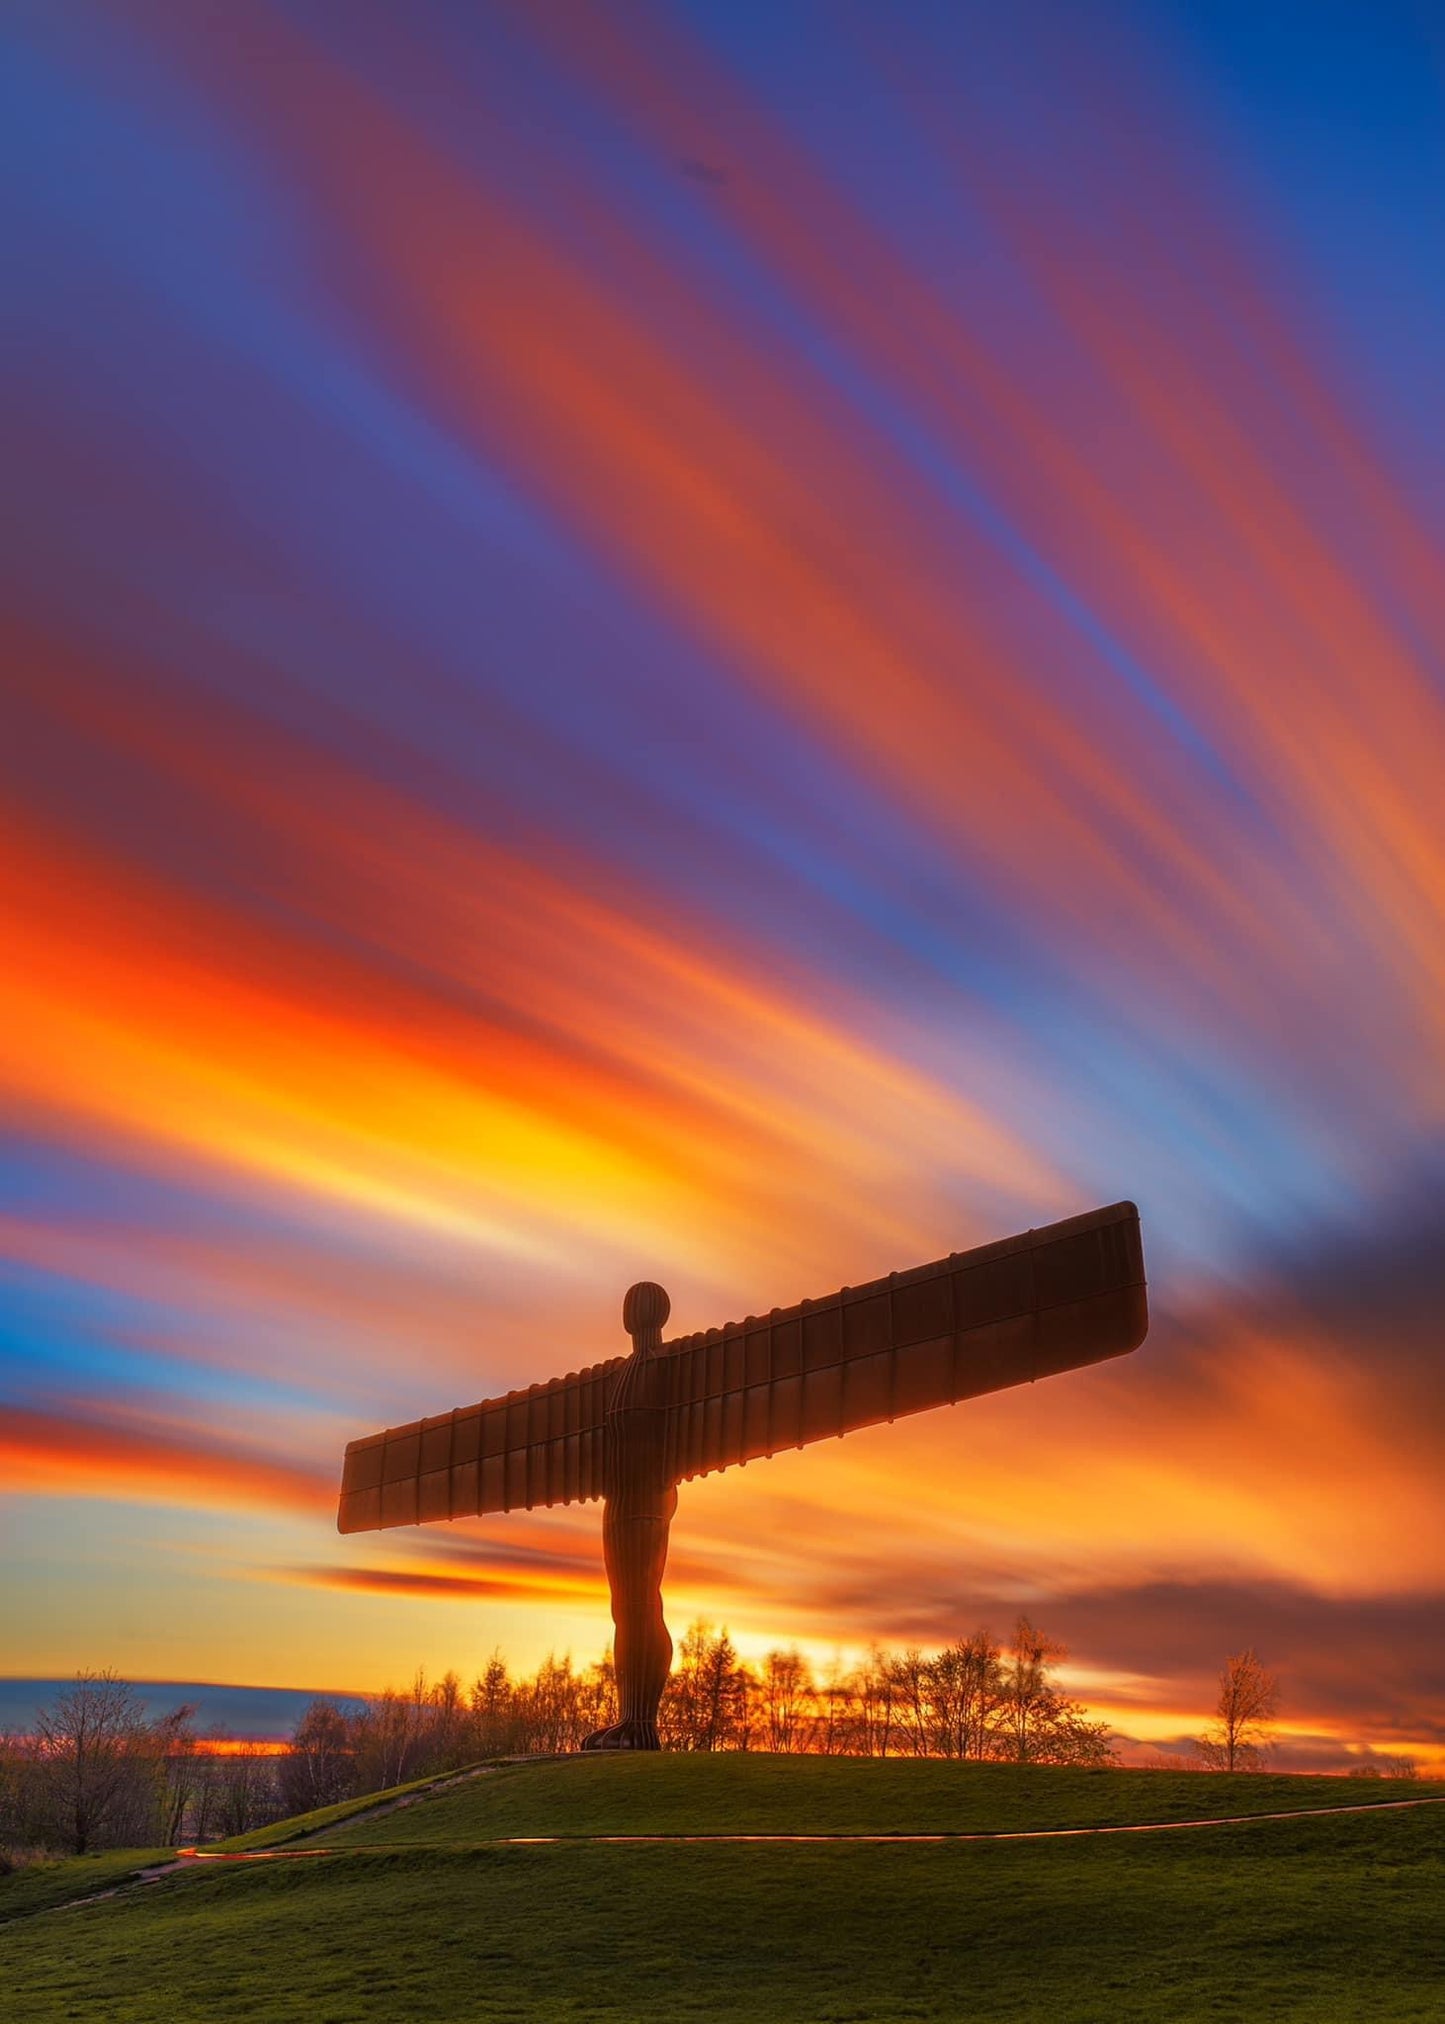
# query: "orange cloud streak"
[[510, 1586], [558, 1108], [70, 1455], [635, 437]]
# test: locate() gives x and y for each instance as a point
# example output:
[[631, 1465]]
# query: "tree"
[[835, 1724], [787, 1693], [449, 1743], [389, 1738], [705, 1705], [964, 1688], [16, 1792], [317, 1771], [493, 1706], [1240, 1736], [907, 1674], [91, 1755], [1385, 1767], [237, 1788], [554, 1707], [598, 1695], [171, 1743], [1036, 1722], [874, 1704]]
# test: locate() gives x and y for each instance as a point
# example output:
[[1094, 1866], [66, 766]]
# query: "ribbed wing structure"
[[979, 1321], [538, 1446]]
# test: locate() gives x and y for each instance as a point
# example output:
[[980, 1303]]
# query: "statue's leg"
[[635, 1551], [642, 1650]]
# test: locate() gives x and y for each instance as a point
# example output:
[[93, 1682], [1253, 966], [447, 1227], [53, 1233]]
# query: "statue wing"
[[538, 1446], [978, 1321]]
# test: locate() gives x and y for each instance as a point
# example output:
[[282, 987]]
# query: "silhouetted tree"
[[1240, 1736], [16, 1791], [834, 1728], [552, 1708], [237, 1789], [909, 1689], [963, 1693], [171, 1747], [1036, 1722], [94, 1765], [874, 1719], [494, 1726], [599, 1695], [320, 1766], [787, 1694], [448, 1742], [1385, 1767], [706, 1702]]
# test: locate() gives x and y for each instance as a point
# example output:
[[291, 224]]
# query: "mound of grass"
[[41, 1886], [299, 1825], [759, 1794], [1318, 1920]]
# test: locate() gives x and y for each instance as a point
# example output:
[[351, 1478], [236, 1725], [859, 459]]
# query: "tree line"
[[96, 1772], [976, 1698]]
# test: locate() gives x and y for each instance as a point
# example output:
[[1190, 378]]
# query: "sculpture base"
[[624, 1736]]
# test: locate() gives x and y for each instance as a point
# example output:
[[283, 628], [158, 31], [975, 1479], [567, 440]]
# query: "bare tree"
[[1025, 1694], [598, 1695], [390, 1737], [1240, 1736], [171, 1742], [964, 1684], [319, 1768], [1385, 1767], [16, 1793], [1036, 1722], [787, 1693], [553, 1707], [237, 1788], [908, 1687], [449, 1742], [835, 1725], [91, 1752], [874, 1701]]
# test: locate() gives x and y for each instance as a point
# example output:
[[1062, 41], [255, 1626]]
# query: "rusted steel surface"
[[640, 1500], [629, 1430], [1004, 1314], [1047, 1301], [539, 1446]]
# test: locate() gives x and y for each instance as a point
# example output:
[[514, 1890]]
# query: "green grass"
[[1326, 1921], [42, 1885], [280, 1832], [827, 1795]]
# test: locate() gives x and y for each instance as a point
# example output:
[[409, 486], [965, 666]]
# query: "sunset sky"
[[741, 644]]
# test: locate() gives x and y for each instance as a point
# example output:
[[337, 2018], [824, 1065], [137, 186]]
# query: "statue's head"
[[645, 1309]]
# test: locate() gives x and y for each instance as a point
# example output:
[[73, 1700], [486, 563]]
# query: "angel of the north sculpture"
[[630, 1430]]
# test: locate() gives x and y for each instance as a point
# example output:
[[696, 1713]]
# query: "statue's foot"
[[624, 1736]]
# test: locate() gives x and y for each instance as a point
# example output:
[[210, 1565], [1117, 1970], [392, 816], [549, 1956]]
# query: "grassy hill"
[[422, 1913], [759, 1794]]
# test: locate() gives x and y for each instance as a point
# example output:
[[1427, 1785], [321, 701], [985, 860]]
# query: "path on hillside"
[[199, 1855], [193, 1858], [185, 1858]]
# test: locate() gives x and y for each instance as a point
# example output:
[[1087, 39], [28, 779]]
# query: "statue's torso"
[[635, 1475]]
